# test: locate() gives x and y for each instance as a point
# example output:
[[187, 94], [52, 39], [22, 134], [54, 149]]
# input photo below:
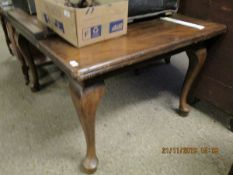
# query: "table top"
[[144, 40]]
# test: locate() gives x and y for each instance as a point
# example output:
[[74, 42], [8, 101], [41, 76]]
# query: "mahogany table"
[[88, 67]]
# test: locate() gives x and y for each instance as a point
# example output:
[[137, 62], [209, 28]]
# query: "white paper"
[[184, 23]]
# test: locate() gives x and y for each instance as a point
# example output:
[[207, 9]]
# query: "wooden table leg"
[[8, 42], [86, 99], [16, 51], [197, 59], [24, 49]]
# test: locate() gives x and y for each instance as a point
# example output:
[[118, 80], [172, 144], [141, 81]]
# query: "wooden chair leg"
[[86, 100], [23, 46], [197, 59]]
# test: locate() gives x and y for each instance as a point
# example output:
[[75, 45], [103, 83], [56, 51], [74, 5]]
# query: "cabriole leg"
[[197, 59], [86, 100]]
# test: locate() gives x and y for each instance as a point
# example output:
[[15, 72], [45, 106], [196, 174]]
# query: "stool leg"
[[196, 61], [86, 100]]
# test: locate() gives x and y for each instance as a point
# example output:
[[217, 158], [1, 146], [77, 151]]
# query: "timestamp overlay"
[[190, 150]]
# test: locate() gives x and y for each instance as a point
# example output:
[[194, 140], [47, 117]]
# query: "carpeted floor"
[[40, 133]]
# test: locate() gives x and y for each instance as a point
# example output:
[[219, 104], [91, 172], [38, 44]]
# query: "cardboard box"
[[84, 26]]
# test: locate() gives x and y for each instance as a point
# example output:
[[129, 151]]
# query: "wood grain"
[[143, 41]]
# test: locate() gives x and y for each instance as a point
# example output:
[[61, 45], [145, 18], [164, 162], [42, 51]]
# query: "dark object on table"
[[138, 8], [216, 82], [146, 8], [81, 3], [26, 5]]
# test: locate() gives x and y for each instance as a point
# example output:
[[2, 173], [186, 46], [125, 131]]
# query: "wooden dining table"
[[87, 68]]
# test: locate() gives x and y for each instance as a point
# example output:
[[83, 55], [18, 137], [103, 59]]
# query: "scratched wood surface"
[[144, 40]]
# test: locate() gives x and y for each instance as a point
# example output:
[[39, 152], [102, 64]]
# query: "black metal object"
[[26, 5], [144, 8], [137, 8]]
